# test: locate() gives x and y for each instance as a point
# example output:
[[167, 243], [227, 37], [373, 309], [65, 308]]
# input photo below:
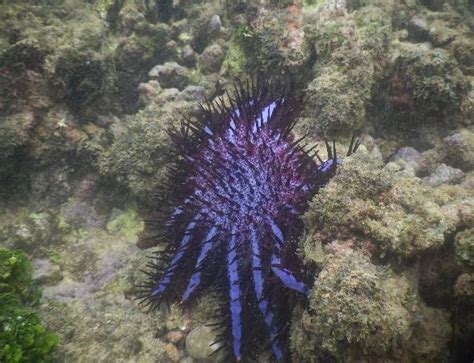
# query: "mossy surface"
[[358, 308], [23, 338], [401, 216], [347, 49], [128, 223]]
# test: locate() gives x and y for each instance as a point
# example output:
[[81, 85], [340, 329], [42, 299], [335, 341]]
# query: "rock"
[[174, 336], [464, 288], [464, 248], [211, 59], [45, 272], [433, 331], [444, 174], [419, 28], [458, 149], [118, 128], [441, 33], [172, 352], [402, 167], [189, 55], [198, 342], [411, 156], [171, 75], [193, 93], [14, 132], [66, 291], [80, 214], [375, 154], [149, 91], [173, 48], [333, 5], [52, 182], [87, 188], [215, 24], [33, 232], [168, 95]]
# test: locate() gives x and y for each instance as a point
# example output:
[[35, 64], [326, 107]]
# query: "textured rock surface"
[[198, 343], [89, 90]]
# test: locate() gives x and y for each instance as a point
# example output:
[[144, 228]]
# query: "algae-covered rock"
[[464, 245], [139, 156], [374, 30], [463, 51], [399, 215], [269, 43], [80, 214], [458, 149], [357, 309], [31, 232], [444, 174], [127, 223], [198, 343], [432, 333], [423, 83], [142, 150], [170, 75], [346, 47], [210, 60], [333, 106], [14, 132]]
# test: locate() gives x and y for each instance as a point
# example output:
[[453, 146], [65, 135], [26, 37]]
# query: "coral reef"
[[425, 83], [398, 216], [88, 93], [386, 220]]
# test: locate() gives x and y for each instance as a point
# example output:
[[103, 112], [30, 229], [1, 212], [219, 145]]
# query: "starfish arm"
[[235, 297], [287, 278], [263, 304], [196, 276], [161, 286]]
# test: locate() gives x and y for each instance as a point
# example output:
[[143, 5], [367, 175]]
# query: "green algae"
[[128, 224], [23, 338]]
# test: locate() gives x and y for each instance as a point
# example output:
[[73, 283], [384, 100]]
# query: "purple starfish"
[[246, 182]]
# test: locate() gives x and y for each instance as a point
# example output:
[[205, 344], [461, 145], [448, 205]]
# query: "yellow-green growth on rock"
[[356, 309], [400, 216]]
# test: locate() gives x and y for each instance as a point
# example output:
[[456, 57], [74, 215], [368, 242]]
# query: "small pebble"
[[215, 24], [198, 342], [172, 352], [174, 336]]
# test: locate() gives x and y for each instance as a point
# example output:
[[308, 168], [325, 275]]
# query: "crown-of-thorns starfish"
[[246, 181]]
